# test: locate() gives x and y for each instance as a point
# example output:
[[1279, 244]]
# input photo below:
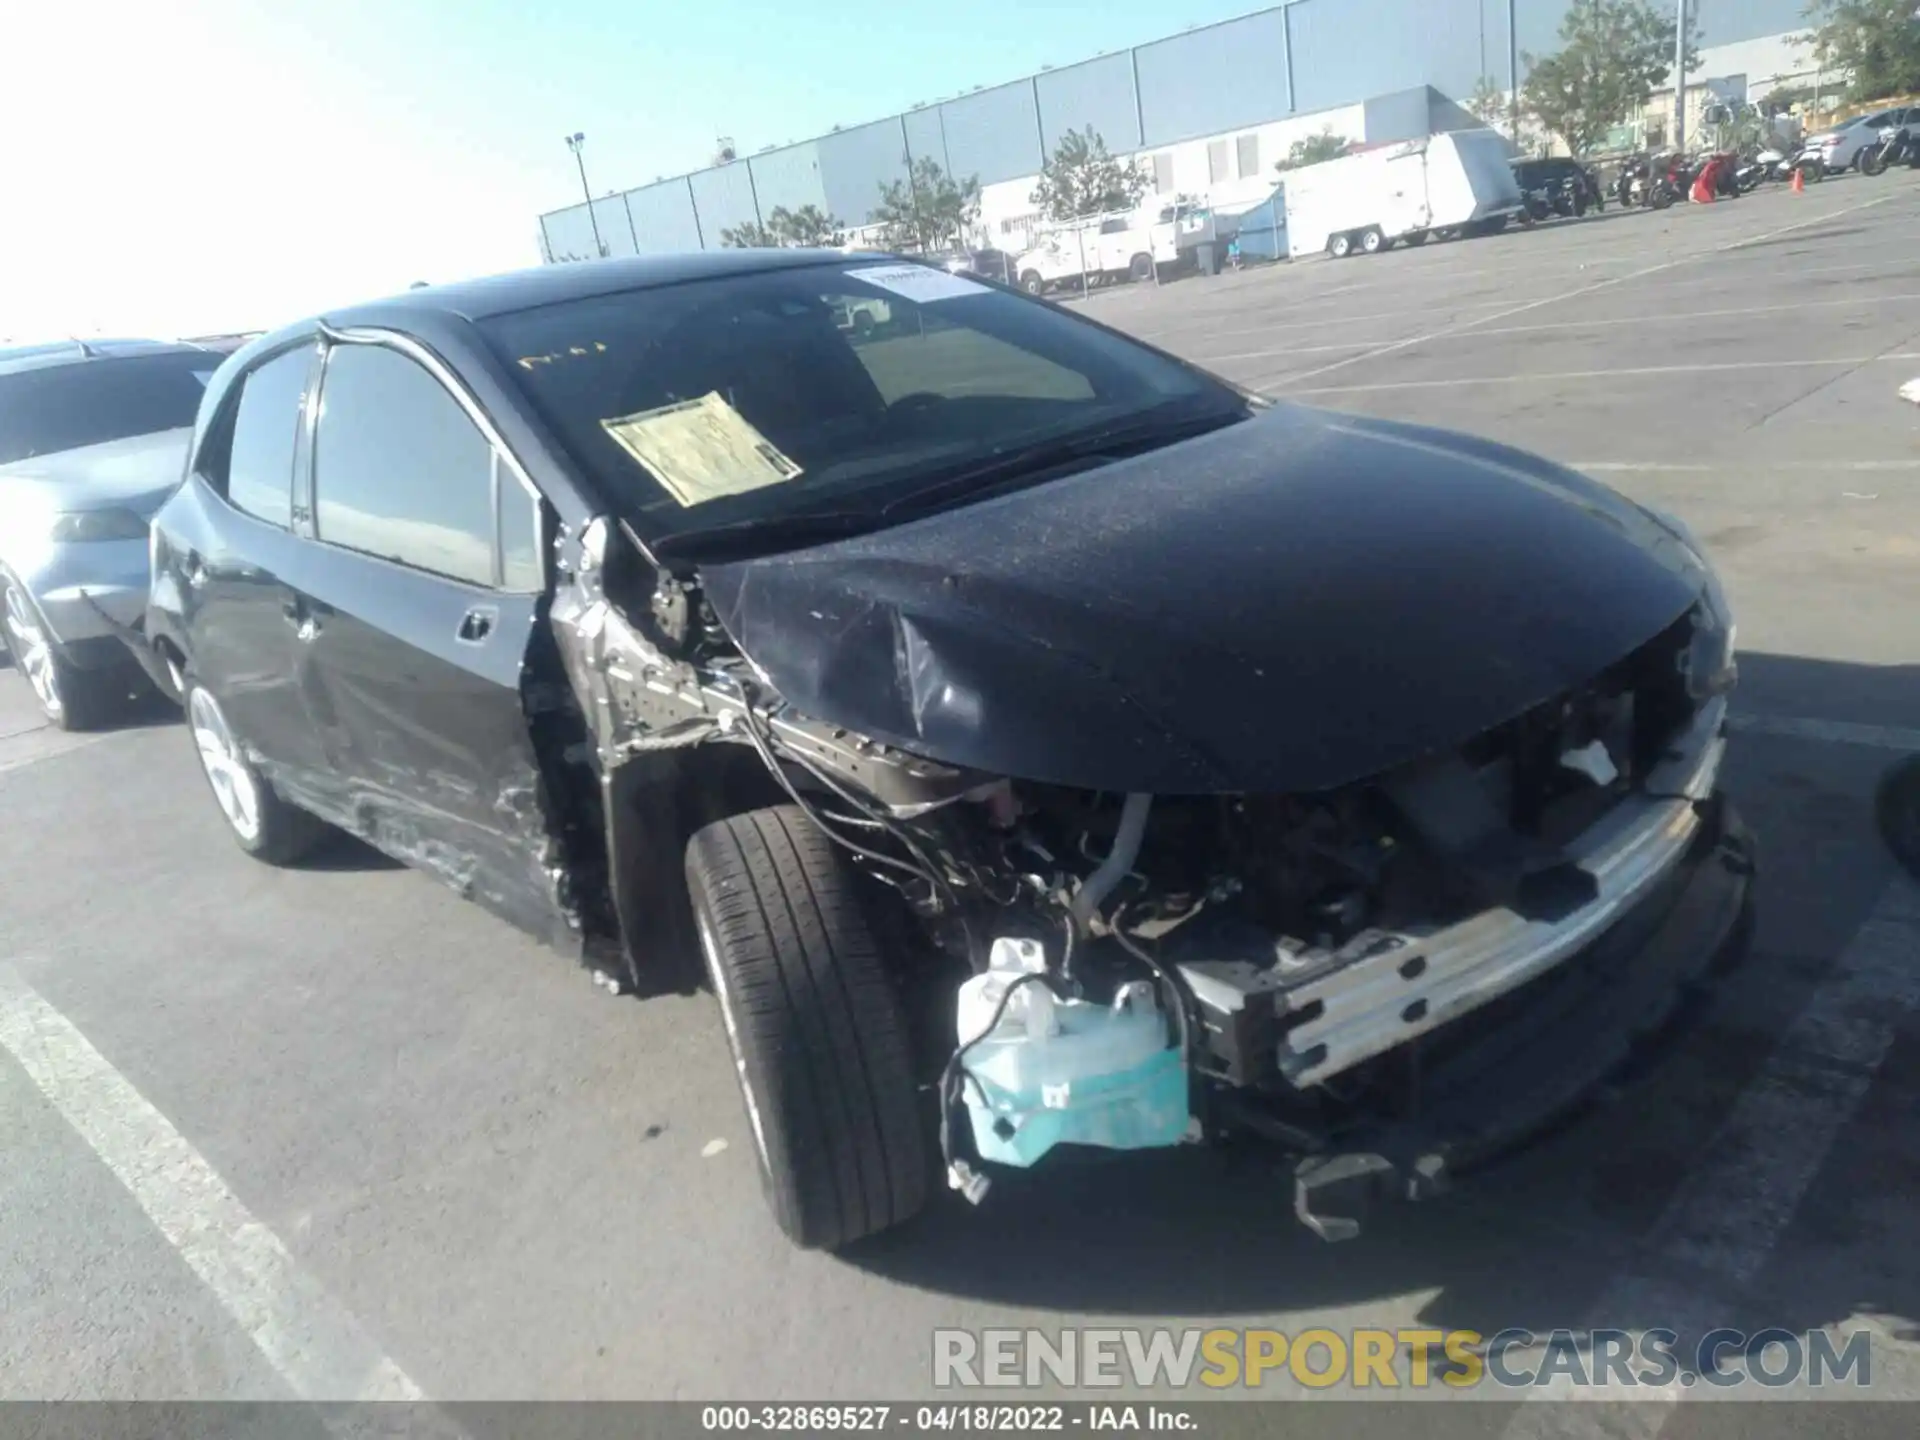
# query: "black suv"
[[1210, 758]]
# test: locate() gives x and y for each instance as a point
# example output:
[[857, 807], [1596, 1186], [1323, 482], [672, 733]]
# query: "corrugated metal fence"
[[1292, 59]]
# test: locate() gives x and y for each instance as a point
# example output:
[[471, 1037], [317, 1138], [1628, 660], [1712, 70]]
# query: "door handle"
[[476, 625]]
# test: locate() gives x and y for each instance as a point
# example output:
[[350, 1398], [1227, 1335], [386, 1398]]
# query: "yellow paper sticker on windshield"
[[701, 449]]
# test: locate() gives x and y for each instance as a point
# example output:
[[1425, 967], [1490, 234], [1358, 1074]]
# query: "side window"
[[260, 457], [399, 470], [520, 567]]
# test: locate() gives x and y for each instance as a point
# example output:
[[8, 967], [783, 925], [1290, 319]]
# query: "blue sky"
[[184, 166]]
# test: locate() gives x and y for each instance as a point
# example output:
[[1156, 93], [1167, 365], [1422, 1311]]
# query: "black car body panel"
[[1284, 605], [1348, 691]]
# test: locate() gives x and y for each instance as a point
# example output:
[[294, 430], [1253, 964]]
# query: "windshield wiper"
[[758, 533], [1030, 464], [1039, 461]]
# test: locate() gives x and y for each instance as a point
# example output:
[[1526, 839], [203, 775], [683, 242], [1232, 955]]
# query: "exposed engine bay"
[[1143, 967]]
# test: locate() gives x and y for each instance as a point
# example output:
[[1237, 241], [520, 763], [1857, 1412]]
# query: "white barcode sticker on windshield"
[[918, 283]]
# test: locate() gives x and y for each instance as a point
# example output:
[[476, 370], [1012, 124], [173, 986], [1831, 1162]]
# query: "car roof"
[[556, 284], [18, 358]]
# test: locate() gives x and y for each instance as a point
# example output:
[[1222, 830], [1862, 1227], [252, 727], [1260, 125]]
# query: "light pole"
[[1680, 80], [577, 143]]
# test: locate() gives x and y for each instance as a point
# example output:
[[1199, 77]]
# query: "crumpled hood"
[[1288, 604], [136, 473]]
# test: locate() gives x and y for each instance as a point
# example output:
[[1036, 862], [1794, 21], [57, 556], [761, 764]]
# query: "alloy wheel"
[[233, 784], [31, 650]]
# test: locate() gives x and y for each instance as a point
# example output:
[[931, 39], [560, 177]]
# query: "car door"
[[236, 602], [416, 604]]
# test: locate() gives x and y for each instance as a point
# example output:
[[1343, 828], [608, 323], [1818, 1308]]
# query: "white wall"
[[1776, 60], [1007, 212]]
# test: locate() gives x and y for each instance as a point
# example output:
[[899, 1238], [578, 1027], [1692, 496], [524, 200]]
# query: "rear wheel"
[[1031, 282], [818, 1037], [1418, 237], [264, 825], [1140, 269], [1340, 246], [1873, 160], [1373, 240]]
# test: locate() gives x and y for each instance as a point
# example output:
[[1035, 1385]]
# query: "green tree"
[[1080, 178], [926, 210], [1876, 42], [1612, 55], [807, 227], [1489, 103], [749, 235], [1313, 150]]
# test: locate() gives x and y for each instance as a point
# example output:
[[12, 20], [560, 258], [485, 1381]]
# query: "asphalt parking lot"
[[234, 1100]]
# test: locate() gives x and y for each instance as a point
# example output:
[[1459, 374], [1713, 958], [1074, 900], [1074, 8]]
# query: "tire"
[[1418, 237], [1373, 240], [818, 1036], [1873, 160], [1031, 282], [261, 823], [1140, 269], [1340, 246], [70, 698]]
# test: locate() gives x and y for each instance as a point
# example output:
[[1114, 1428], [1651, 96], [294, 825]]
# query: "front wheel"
[[1140, 269], [1873, 161], [818, 1038], [1031, 282], [263, 825]]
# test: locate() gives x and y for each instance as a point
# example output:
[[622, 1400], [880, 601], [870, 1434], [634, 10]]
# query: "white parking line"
[[1744, 467], [315, 1345], [1597, 285], [1839, 732], [1731, 1209], [1670, 317], [1624, 372]]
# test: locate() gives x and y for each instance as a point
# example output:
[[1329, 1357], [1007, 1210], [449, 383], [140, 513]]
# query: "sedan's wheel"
[[265, 826], [818, 1039], [71, 698]]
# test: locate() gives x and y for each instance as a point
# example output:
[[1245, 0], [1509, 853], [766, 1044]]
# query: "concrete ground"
[[335, 1132]]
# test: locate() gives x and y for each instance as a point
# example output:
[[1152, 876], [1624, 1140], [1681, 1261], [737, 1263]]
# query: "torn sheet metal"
[[1285, 605]]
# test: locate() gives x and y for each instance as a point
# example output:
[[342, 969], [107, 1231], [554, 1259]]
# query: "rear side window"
[[260, 457], [399, 469], [89, 402]]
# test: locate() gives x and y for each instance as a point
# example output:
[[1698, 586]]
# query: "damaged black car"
[[1033, 739]]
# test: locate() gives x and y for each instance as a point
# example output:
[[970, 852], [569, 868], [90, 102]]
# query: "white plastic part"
[[1057, 1070]]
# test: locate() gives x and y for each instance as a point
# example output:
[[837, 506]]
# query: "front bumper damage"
[[1536, 1055], [1498, 1024]]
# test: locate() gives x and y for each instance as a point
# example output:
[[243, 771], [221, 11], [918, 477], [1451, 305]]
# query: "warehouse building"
[[1209, 113]]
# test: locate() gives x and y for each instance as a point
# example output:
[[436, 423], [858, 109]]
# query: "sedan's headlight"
[[1710, 661], [77, 526]]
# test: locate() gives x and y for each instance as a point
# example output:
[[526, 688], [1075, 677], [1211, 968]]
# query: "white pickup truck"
[[1137, 246]]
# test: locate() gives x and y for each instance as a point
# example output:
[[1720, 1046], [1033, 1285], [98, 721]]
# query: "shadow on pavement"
[[1534, 1240]]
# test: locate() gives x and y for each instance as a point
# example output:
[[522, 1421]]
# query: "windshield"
[[64, 407], [762, 395]]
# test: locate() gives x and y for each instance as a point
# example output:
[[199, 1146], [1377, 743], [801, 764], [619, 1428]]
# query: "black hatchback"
[[1034, 739]]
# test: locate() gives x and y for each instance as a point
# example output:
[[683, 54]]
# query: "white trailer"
[[1455, 183]]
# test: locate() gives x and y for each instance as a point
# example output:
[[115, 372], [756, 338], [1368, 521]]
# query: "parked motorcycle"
[[1811, 164], [1897, 145]]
